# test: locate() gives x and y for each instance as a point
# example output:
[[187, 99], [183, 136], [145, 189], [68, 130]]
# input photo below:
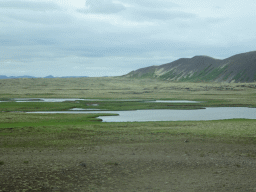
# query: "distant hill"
[[15, 77], [26, 76], [238, 68]]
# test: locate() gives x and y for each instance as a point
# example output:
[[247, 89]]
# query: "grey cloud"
[[146, 33], [28, 5], [102, 7], [157, 14], [138, 10], [32, 12], [213, 20], [39, 17], [151, 3], [89, 39]]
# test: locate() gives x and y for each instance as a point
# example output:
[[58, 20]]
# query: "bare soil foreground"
[[156, 162]]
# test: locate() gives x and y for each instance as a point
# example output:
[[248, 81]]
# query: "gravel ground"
[[177, 165]]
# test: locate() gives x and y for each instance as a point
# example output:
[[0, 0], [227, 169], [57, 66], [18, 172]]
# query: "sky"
[[113, 37]]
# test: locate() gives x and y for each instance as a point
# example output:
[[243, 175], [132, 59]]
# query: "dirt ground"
[[176, 164]]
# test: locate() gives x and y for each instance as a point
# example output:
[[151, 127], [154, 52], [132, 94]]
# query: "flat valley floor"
[[68, 153]]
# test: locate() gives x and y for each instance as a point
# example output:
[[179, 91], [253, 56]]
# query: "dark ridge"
[[237, 68]]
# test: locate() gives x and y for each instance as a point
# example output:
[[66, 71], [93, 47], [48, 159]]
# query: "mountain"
[[49, 77], [15, 77], [3, 77], [238, 68], [26, 76]]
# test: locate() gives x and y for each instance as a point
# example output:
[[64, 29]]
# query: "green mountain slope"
[[238, 68]]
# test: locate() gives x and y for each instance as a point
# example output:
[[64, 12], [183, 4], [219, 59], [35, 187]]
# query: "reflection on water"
[[211, 113]]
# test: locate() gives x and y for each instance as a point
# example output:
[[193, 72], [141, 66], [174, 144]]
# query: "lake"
[[211, 113]]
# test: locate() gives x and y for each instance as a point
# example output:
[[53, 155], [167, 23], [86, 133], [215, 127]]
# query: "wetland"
[[80, 152]]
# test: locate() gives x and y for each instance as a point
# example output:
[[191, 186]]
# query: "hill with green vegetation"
[[238, 68]]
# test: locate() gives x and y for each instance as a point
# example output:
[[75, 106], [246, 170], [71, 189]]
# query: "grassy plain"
[[125, 88], [66, 152]]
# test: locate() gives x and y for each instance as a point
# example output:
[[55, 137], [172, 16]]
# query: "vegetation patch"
[[169, 75]]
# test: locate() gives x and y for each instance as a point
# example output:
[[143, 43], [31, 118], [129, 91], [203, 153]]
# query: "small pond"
[[172, 101], [211, 113], [63, 100], [44, 100]]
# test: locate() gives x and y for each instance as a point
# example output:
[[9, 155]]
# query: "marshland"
[[79, 152]]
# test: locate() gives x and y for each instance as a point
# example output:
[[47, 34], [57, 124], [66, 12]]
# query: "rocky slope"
[[238, 68]]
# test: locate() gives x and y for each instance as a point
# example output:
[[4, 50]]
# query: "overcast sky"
[[114, 37]]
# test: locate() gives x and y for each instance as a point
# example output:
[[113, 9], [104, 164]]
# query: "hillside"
[[238, 68]]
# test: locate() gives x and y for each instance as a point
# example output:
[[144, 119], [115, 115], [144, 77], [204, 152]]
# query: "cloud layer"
[[113, 37]]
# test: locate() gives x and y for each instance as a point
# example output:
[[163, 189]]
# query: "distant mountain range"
[[26, 76], [238, 68]]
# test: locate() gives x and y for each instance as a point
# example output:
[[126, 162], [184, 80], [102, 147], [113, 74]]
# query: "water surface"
[[172, 101], [74, 99], [44, 100], [211, 113]]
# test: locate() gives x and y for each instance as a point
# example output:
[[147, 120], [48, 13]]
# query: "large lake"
[[211, 113]]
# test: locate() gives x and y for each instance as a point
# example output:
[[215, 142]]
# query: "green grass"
[[103, 105], [139, 105], [112, 88], [111, 105], [168, 75], [61, 130], [226, 76], [148, 75], [38, 106], [240, 76], [21, 120], [209, 76]]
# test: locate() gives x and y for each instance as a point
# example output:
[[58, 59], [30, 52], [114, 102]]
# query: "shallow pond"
[[211, 113], [63, 100], [172, 101], [44, 100]]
